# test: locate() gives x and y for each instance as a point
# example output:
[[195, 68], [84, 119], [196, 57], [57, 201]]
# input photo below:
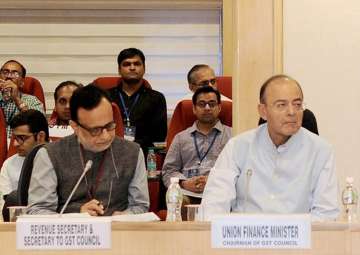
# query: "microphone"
[[248, 176], [86, 168]]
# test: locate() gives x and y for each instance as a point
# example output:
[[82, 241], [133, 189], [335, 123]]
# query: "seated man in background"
[[199, 76], [12, 101], [194, 151], [142, 108], [116, 181], [62, 95], [29, 129], [278, 167]]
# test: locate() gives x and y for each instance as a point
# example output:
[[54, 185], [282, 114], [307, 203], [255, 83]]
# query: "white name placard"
[[254, 231], [63, 233], [60, 131]]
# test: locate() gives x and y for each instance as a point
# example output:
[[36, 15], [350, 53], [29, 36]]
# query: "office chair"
[[108, 82], [224, 85]]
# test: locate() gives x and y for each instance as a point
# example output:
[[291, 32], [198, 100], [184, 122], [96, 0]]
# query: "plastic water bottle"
[[350, 200], [174, 198], [151, 163]]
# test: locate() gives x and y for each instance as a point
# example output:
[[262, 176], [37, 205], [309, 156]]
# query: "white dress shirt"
[[10, 173], [9, 176], [252, 175]]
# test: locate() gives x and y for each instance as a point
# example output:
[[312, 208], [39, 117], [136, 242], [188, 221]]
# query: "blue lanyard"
[[126, 111], [201, 158]]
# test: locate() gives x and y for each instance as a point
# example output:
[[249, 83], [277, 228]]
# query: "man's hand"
[[195, 184], [93, 207], [9, 85]]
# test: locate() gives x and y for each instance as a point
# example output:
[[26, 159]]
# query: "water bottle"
[[174, 198], [151, 163], [350, 200]]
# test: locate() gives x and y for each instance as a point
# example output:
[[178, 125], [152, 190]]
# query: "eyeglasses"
[[95, 131], [283, 106], [207, 82], [203, 104], [9, 73], [20, 139]]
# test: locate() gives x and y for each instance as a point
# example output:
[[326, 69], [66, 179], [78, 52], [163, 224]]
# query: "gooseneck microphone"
[[248, 177], [86, 168]]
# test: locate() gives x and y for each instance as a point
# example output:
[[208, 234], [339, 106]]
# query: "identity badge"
[[129, 133], [189, 173]]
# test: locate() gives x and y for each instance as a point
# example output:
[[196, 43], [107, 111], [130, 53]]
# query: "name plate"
[[63, 233], [57, 132], [260, 231]]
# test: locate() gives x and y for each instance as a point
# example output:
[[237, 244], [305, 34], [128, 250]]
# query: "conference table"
[[154, 238]]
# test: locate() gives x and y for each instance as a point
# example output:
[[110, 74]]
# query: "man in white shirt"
[[29, 129], [199, 76], [278, 167]]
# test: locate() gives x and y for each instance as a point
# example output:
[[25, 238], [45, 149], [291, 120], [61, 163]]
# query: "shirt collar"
[[218, 126]]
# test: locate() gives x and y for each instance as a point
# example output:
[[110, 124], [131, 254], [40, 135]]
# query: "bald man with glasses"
[[116, 182], [201, 75], [278, 167]]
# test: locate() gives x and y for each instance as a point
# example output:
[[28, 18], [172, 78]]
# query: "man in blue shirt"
[[278, 167]]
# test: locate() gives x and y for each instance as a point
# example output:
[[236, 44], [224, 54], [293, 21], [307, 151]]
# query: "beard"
[[132, 81]]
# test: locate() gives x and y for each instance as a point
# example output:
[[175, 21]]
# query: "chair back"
[[12, 149], [108, 82], [32, 86], [3, 138], [119, 131], [224, 84], [184, 117]]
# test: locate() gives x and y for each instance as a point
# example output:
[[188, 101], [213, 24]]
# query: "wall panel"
[[54, 48]]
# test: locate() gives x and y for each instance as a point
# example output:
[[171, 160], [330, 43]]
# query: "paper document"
[[149, 216], [60, 131], [191, 194]]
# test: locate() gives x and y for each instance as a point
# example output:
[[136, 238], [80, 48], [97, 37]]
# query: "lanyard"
[[201, 158], [99, 174], [127, 111]]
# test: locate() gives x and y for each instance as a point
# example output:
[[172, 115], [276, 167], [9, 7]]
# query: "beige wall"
[[322, 51]]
